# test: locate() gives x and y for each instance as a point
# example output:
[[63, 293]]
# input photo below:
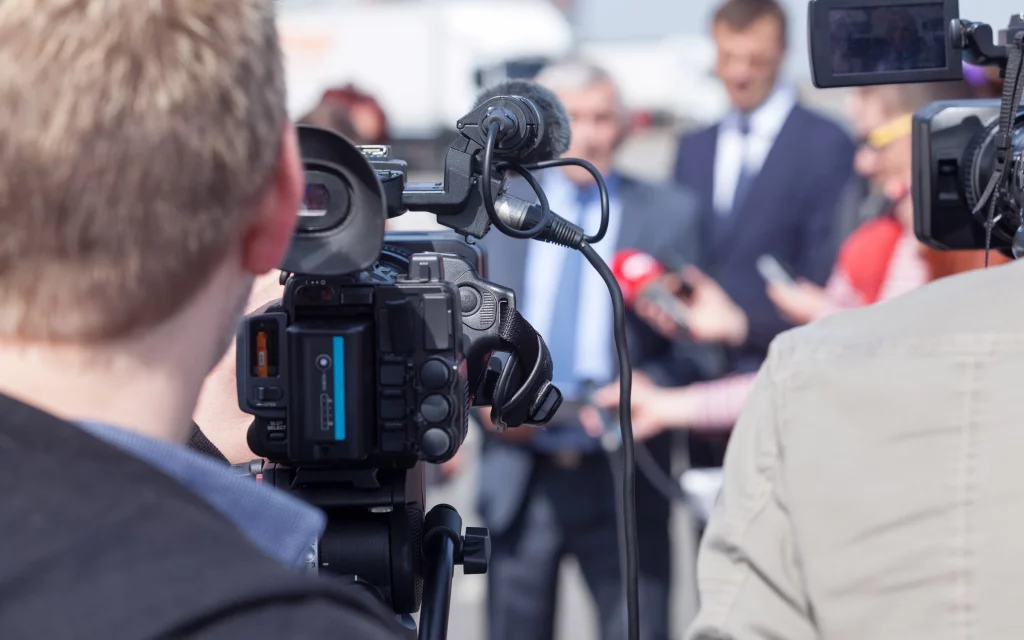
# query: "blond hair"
[[135, 138]]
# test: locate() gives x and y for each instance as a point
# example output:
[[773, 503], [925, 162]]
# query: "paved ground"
[[576, 616]]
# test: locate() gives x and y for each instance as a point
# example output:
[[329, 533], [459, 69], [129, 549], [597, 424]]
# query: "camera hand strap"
[[524, 393]]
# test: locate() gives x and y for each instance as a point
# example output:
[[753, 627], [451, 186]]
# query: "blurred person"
[[149, 174], [549, 493], [769, 177], [334, 117], [881, 260], [363, 113]]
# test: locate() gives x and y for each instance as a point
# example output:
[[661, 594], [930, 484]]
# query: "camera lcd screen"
[[887, 39]]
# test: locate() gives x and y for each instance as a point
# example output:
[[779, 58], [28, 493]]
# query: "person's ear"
[[270, 233]]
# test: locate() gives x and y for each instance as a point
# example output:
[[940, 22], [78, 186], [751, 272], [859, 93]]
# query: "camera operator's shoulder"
[[310, 617], [89, 528], [964, 309]]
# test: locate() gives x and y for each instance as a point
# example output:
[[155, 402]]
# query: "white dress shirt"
[[733, 152], [544, 264]]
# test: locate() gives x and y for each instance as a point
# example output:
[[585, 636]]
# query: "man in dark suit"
[[548, 493], [768, 177]]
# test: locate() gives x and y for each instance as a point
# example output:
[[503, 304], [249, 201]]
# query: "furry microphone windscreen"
[[555, 131]]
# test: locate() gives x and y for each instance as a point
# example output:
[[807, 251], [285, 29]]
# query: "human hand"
[[653, 409], [656, 317], [800, 304], [712, 314], [217, 412]]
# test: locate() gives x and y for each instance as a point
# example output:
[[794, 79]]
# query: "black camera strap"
[[524, 393], [1013, 88]]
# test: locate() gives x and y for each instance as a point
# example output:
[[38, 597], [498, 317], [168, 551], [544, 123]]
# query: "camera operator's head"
[[148, 172], [597, 115], [750, 39]]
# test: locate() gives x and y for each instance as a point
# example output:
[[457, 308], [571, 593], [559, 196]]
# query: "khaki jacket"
[[874, 485]]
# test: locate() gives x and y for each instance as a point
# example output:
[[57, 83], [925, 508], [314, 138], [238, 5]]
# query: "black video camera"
[[381, 343], [967, 170], [369, 364]]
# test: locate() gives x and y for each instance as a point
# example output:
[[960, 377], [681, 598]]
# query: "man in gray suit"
[[549, 493]]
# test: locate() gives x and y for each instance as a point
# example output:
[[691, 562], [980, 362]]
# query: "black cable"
[[488, 194], [601, 186], [629, 532]]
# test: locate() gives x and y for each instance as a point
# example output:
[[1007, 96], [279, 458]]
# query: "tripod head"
[[379, 537]]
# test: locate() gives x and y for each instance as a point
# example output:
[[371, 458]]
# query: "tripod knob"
[[476, 550]]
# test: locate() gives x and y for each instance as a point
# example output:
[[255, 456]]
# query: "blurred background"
[[406, 70]]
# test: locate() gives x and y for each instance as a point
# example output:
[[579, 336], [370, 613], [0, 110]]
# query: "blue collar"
[[281, 526]]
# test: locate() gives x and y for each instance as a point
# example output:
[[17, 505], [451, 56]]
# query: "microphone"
[[639, 275], [533, 123]]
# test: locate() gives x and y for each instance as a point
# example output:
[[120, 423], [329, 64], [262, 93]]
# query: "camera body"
[[955, 145], [371, 369], [382, 342], [954, 157]]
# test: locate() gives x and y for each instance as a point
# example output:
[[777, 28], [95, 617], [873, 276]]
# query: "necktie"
[[561, 337], [747, 175]]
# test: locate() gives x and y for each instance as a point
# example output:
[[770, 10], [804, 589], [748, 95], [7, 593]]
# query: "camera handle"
[[978, 42], [444, 546]]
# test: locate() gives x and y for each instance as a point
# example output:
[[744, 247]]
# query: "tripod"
[[378, 536]]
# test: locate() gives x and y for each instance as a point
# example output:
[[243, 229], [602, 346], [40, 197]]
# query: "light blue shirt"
[[594, 328], [281, 526]]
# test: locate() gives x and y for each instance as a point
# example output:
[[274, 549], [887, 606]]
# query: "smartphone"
[[773, 272]]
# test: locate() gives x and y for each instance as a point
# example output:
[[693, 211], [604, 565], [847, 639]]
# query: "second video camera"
[[956, 144]]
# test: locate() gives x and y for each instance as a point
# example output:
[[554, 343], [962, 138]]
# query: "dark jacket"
[[789, 213], [658, 220], [98, 544]]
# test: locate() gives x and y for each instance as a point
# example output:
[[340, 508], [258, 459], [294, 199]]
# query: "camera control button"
[[436, 442], [437, 319], [393, 442], [392, 375], [434, 374], [392, 407], [268, 394], [435, 408], [469, 299], [314, 293]]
